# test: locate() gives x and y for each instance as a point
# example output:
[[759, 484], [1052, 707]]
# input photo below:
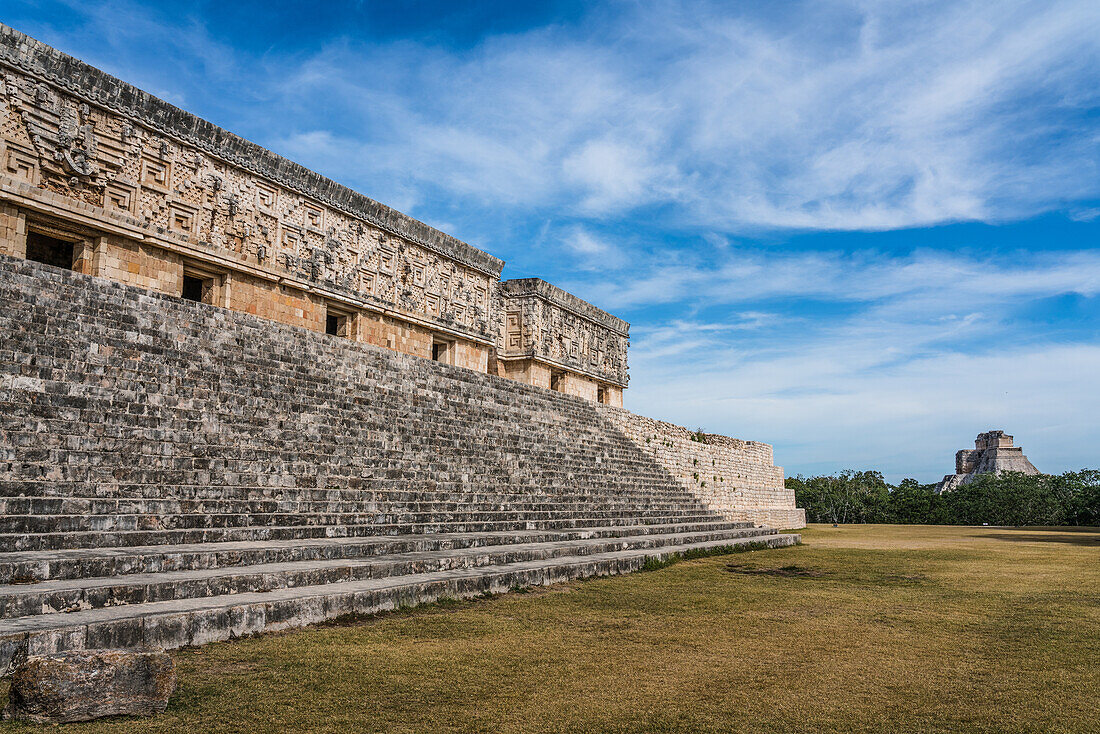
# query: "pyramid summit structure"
[[993, 453]]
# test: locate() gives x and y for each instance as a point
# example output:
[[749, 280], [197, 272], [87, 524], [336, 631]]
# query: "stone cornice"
[[21, 52]]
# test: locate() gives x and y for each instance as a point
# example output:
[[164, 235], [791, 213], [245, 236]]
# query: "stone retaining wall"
[[734, 477]]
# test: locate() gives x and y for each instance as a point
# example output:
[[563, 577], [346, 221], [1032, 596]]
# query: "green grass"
[[861, 628]]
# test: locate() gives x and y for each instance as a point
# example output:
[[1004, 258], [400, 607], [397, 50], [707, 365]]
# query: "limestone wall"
[[734, 477], [13, 231], [141, 411]]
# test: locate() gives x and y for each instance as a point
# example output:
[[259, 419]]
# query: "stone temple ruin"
[[236, 396], [993, 453]]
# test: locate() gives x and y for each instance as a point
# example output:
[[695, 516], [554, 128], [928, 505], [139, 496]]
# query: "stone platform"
[[173, 473]]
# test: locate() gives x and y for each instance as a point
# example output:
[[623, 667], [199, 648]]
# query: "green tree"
[[848, 497], [913, 503], [1010, 498], [1083, 504]]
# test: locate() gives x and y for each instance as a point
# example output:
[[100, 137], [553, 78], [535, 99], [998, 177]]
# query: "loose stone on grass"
[[83, 685]]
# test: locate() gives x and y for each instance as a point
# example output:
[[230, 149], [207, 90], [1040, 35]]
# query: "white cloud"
[[926, 351], [732, 122], [839, 115], [743, 275], [584, 243], [844, 116], [614, 175], [593, 253], [834, 406]]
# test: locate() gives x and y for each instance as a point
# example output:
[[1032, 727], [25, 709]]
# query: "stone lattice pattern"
[[993, 453], [556, 327], [149, 186], [144, 176]]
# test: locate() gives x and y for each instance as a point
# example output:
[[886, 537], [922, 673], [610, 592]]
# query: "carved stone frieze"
[[544, 322], [97, 156], [112, 152]]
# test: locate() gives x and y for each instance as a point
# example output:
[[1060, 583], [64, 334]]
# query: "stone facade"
[[152, 196], [993, 453], [734, 477]]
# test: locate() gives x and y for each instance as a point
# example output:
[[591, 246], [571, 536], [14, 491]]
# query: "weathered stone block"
[[90, 684]]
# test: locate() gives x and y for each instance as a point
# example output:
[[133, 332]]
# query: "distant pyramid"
[[993, 453]]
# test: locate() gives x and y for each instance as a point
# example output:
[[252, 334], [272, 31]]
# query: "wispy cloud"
[[949, 279], [832, 405], [735, 123], [838, 115], [871, 358]]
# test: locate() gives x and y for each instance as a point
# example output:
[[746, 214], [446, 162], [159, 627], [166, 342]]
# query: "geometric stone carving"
[[21, 164], [545, 323], [97, 141]]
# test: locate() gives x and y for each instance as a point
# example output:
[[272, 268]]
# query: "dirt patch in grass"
[[787, 572]]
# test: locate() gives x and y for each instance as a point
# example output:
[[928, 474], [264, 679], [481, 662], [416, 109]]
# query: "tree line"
[[1011, 498]]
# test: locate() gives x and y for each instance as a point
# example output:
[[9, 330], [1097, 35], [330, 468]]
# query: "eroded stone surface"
[[90, 684], [733, 477]]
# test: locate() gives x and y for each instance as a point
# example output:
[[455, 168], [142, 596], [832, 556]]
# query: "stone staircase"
[[173, 473]]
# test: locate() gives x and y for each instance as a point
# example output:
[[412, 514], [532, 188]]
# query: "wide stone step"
[[196, 621], [55, 507], [14, 492], [522, 448], [66, 596], [345, 471], [124, 538], [78, 563], [363, 468], [22, 524], [519, 453]]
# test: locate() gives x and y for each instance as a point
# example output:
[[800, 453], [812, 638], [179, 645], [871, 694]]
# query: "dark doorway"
[[49, 250], [194, 288], [443, 351], [338, 323]]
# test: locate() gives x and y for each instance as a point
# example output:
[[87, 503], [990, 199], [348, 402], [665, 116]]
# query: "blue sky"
[[862, 232]]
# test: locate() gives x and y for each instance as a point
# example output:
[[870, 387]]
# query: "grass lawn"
[[862, 628]]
